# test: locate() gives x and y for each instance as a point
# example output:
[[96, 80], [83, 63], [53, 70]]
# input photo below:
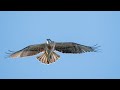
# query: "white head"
[[48, 41]]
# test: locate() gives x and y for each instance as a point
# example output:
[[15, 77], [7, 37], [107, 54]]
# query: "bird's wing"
[[28, 51], [70, 47]]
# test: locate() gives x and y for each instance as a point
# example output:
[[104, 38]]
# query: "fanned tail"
[[44, 58]]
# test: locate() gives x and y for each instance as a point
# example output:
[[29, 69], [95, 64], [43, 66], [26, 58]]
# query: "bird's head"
[[49, 41]]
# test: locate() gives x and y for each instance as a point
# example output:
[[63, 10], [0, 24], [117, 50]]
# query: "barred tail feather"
[[44, 59]]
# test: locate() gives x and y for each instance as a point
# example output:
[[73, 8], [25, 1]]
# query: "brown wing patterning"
[[70, 47], [29, 51]]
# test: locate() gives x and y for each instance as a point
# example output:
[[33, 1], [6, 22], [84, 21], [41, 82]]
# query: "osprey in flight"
[[48, 49]]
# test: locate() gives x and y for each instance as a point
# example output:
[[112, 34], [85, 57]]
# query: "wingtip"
[[96, 48], [12, 54], [8, 53]]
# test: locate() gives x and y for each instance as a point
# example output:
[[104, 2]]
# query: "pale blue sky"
[[19, 29]]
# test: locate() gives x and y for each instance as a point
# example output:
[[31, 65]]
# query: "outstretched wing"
[[28, 51], [70, 47]]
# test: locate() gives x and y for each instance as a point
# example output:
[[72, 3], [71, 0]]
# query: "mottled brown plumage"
[[49, 56]]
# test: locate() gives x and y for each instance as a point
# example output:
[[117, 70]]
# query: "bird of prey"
[[49, 48]]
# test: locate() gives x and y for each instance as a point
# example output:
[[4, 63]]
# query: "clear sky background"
[[19, 29]]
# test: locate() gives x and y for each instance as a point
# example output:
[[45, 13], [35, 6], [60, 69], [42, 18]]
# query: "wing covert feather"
[[70, 47], [29, 51]]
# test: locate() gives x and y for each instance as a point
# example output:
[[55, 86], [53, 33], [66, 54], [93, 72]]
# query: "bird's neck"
[[47, 42]]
